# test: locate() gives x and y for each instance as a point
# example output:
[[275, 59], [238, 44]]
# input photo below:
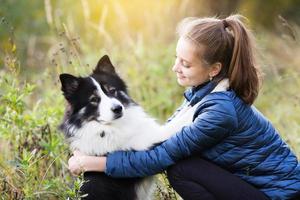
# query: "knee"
[[175, 173], [173, 176], [186, 169]]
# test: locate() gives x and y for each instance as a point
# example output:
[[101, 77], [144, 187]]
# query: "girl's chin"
[[182, 82]]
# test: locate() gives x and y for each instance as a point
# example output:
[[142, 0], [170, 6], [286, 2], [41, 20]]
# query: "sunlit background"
[[41, 39]]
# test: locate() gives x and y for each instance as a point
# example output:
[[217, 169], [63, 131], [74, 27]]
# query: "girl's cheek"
[[186, 72]]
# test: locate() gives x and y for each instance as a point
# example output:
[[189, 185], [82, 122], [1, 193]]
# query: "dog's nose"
[[117, 109]]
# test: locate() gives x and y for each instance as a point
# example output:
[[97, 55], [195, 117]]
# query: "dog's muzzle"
[[118, 111]]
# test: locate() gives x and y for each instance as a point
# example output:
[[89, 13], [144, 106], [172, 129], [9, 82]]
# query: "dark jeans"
[[197, 179]]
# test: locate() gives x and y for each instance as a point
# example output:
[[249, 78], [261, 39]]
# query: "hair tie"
[[225, 23], [228, 30]]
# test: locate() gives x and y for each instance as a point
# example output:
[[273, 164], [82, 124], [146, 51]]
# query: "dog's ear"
[[69, 84], [104, 65]]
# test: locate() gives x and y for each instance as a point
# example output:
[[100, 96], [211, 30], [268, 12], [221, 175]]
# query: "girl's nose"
[[176, 66]]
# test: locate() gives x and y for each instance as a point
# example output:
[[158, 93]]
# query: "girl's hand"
[[76, 165], [80, 162]]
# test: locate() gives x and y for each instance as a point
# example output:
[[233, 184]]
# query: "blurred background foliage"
[[41, 39]]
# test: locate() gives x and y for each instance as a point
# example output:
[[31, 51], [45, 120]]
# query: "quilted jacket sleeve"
[[214, 121]]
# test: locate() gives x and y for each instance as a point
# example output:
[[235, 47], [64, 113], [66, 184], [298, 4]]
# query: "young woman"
[[230, 151]]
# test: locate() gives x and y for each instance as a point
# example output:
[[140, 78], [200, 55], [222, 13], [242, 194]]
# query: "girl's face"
[[189, 67]]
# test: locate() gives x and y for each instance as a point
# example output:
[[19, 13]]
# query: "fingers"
[[78, 153], [74, 166]]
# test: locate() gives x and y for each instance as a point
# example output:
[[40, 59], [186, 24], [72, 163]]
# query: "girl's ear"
[[215, 69]]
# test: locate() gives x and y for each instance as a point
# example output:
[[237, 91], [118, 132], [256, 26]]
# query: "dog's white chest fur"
[[134, 131]]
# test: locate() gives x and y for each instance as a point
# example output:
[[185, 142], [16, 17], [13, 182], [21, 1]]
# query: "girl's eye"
[[184, 64]]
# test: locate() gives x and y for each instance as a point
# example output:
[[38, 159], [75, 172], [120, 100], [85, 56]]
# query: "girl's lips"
[[180, 77]]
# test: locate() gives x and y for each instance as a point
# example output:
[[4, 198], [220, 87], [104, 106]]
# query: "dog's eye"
[[113, 91], [94, 100]]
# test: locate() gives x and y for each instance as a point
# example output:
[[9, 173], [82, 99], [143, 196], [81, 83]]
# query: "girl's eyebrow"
[[188, 62]]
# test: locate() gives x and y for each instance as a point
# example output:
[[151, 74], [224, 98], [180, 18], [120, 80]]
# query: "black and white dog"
[[101, 118]]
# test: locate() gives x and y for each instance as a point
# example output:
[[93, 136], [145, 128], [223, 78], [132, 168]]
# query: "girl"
[[230, 151]]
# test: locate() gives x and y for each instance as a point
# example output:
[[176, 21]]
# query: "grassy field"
[[33, 152]]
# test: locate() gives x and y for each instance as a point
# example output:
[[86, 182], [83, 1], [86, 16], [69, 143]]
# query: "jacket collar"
[[195, 94]]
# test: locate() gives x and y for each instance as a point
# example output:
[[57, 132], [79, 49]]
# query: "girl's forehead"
[[189, 50]]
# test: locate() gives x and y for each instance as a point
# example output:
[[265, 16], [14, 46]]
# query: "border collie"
[[101, 118]]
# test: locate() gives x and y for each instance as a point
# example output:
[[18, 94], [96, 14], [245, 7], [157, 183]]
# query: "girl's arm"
[[215, 121]]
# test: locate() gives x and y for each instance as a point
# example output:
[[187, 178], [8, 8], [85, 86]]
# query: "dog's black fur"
[[99, 186]]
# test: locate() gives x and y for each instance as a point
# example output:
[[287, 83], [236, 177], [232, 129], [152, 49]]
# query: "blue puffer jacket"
[[227, 132]]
